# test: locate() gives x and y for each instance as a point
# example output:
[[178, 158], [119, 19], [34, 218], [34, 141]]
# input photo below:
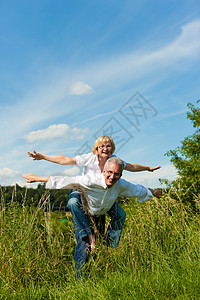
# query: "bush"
[[186, 160]]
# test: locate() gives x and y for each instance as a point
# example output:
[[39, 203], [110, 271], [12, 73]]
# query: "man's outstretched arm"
[[59, 182], [139, 191], [30, 178]]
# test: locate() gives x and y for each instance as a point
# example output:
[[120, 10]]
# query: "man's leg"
[[81, 223], [80, 254], [82, 230], [114, 230]]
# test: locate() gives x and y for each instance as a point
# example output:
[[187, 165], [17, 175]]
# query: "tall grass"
[[157, 258]]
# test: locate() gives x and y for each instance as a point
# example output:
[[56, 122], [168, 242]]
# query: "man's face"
[[112, 174]]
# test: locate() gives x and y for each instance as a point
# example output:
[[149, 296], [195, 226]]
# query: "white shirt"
[[97, 198], [90, 163]]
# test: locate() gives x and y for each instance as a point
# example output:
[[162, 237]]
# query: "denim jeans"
[[115, 226], [83, 228]]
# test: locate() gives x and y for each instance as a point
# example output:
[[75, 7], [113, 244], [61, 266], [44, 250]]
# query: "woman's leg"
[[114, 230]]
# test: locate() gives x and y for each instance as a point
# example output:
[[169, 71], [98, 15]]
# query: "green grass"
[[157, 258]]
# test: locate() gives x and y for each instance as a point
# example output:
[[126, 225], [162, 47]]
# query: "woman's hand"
[[35, 155], [151, 169]]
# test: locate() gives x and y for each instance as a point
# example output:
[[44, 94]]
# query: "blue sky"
[[74, 70]]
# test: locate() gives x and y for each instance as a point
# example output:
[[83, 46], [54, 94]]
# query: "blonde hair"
[[103, 139]]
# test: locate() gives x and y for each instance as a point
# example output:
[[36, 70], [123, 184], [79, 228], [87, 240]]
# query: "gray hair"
[[114, 160]]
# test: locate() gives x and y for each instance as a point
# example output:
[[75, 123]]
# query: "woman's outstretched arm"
[[138, 168], [62, 160]]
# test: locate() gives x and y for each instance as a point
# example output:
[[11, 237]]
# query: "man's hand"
[[35, 155], [151, 169], [157, 193], [30, 178]]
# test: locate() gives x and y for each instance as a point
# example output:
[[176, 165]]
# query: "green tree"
[[186, 160]]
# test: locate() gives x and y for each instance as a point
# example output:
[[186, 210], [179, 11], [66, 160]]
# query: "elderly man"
[[98, 195]]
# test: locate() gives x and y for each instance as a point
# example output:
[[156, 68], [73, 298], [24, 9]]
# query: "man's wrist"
[[151, 190], [44, 179], [156, 192]]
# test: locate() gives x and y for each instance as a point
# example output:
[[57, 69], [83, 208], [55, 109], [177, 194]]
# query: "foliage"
[[31, 197], [186, 159]]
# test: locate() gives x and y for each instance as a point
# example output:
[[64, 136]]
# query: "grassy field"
[[157, 258]]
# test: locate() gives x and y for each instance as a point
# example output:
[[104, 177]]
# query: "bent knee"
[[73, 202], [123, 215]]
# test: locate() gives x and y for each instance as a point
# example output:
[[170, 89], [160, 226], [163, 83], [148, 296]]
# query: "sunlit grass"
[[157, 258]]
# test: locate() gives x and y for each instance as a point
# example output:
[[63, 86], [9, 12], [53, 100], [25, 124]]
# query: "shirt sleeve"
[[85, 159], [130, 190], [66, 182]]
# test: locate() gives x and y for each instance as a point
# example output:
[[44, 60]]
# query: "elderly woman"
[[93, 163]]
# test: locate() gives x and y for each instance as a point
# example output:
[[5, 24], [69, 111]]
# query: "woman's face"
[[104, 149]]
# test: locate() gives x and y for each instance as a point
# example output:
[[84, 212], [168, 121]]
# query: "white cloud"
[[186, 45], [56, 131], [7, 172], [72, 171], [134, 64], [80, 88]]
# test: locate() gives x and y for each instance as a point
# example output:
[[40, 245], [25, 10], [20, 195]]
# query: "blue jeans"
[[115, 226], [83, 228]]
